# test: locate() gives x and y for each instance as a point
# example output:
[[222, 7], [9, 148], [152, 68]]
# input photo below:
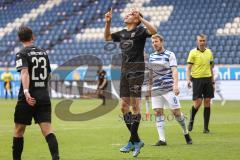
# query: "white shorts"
[[168, 100], [144, 88], [217, 86], [144, 92]]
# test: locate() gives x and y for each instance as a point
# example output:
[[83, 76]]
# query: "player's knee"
[[207, 102], [19, 131], [46, 131], [176, 112], [136, 109], [197, 103], [158, 112], [124, 108], [45, 128]]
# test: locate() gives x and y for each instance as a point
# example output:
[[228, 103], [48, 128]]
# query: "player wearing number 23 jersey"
[[33, 99], [37, 62]]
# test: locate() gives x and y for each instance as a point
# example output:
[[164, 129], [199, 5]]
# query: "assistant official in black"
[[132, 41], [102, 85], [33, 99]]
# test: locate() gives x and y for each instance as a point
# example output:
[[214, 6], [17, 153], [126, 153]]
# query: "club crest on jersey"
[[135, 88], [132, 34]]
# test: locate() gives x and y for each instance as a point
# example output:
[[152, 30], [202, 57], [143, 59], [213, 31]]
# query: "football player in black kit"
[[102, 85], [33, 99], [132, 41]]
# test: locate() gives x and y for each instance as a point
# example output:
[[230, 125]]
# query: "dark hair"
[[140, 21], [25, 34]]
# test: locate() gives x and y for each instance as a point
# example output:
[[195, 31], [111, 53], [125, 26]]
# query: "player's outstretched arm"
[[150, 27], [107, 32], [175, 80], [25, 82]]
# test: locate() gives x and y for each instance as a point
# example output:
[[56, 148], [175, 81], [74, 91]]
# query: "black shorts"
[[24, 113], [202, 88], [131, 84], [10, 85]]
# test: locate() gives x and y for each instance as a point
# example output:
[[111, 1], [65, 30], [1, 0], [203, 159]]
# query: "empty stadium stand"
[[68, 28]]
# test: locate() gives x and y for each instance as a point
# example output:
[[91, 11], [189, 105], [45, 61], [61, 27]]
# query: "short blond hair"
[[160, 37], [202, 36]]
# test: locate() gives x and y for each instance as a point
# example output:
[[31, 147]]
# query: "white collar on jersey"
[[156, 52]]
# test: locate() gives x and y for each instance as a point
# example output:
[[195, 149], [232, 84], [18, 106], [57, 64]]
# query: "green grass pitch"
[[101, 138]]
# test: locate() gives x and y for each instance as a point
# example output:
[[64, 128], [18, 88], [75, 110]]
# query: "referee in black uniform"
[[33, 98], [132, 41], [200, 74]]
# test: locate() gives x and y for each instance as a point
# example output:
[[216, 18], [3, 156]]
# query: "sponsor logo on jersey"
[[19, 63]]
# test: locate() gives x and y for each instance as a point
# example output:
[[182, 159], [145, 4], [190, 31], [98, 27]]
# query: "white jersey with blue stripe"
[[160, 64]]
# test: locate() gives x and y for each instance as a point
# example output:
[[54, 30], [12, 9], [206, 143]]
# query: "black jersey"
[[37, 62], [101, 77], [132, 46]]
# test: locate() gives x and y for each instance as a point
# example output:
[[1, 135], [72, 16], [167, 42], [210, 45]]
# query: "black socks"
[[53, 146], [18, 142], [128, 120], [193, 113], [206, 115], [17, 148], [134, 129], [132, 123]]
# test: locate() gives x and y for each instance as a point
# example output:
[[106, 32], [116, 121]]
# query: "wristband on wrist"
[[25, 91]]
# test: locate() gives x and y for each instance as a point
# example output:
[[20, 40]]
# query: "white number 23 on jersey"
[[43, 65]]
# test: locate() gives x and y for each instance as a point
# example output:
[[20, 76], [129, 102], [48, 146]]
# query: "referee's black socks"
[[53, 146], [17, 148], [207, 112], [193, 113]]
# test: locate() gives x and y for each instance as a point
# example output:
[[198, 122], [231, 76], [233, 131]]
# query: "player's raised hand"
[[30, 100], [108, 16], [136, 13]]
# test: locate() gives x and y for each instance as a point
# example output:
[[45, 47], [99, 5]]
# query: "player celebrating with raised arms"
[[132, 41], [33, 99], [164, 88]]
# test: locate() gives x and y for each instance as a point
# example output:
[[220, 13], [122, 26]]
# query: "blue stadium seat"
[[236, 60], [56, 29]]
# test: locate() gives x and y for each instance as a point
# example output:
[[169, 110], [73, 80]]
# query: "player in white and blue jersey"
[[218, 84], [145, 89], [164, 88]]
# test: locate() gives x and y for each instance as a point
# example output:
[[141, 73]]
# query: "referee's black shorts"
[[24, 113], [10, 85], [202, 88], [131, 84]]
